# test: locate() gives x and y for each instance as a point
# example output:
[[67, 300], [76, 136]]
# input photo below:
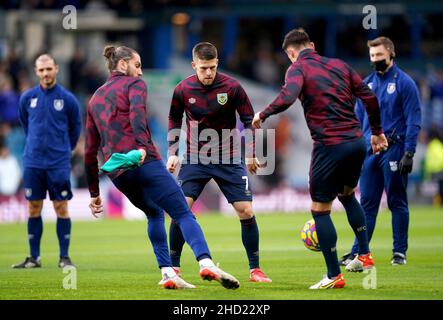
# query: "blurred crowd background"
[[249, 36]]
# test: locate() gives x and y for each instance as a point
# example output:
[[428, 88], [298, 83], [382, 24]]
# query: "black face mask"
[[380, 65]]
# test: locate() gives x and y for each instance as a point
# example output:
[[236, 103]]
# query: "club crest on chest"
[[391, 88], [58, 104], [222, 98]]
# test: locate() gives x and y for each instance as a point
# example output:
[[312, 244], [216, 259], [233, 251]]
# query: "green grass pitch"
[[115, 261]]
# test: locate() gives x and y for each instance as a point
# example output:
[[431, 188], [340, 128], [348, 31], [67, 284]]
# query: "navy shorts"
[[56, 181], [333, 167], [232, 180]]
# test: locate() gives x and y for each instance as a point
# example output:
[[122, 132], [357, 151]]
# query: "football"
[[308, 235]]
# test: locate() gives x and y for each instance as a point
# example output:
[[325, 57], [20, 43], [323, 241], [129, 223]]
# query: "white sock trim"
[[206, 263], [168, 271]]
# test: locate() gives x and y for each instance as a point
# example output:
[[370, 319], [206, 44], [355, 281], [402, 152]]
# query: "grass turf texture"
[[115, 261]]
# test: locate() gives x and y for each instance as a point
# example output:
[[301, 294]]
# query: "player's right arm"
[[362, 91], [96, 206], [370, 101], [174, 127], [288, 95], [92, 143]]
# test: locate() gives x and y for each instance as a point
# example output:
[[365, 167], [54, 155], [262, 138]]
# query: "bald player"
[[50, 116]]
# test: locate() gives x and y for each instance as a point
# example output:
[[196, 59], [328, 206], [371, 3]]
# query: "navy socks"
[[35, 230], [250, 239], [250, 236], [327, 238], [176, 242], [64, 235], [357, 220]]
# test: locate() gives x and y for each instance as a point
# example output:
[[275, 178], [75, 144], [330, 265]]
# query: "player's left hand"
[[405, 165], [172, 163], [96, 206], [379, 143], [256, 122], [253, 164], [142, 158]]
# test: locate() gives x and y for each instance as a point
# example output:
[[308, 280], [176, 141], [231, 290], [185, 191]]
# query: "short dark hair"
[[297, 38], [383, 41], [204, 51], [114, 54]]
